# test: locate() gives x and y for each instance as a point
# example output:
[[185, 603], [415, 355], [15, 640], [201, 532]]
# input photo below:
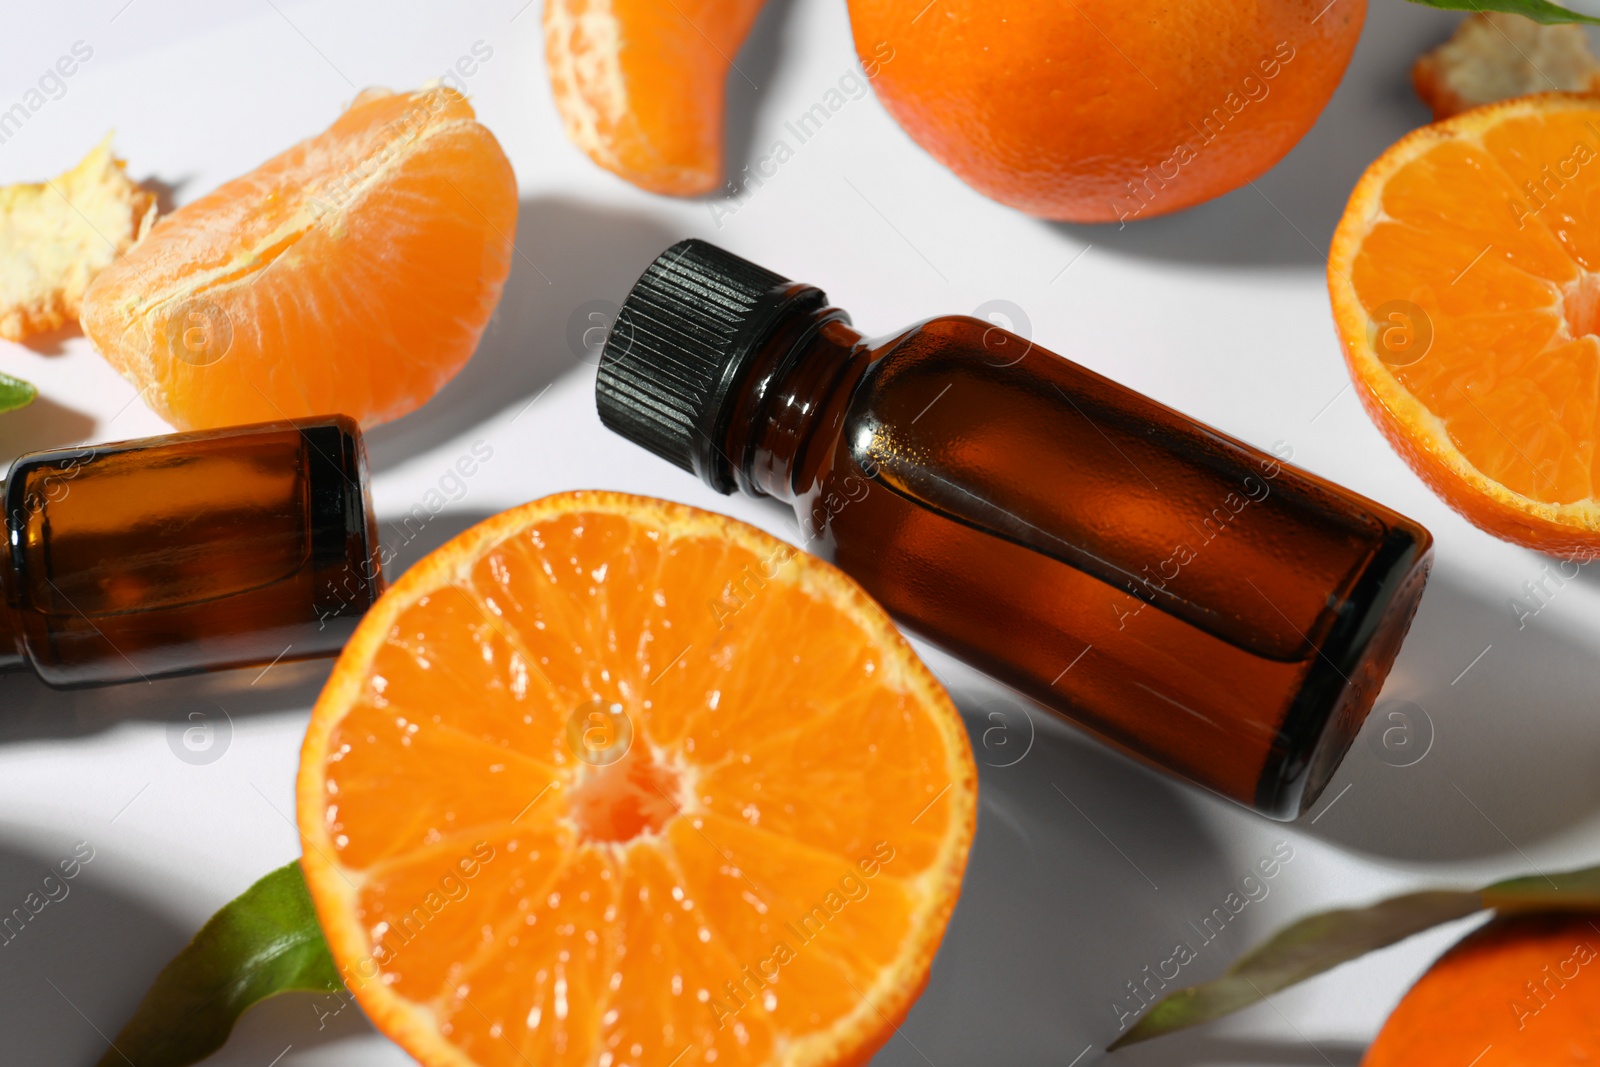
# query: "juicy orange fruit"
[[1105, 110], [351, 274], [1465, 287], [641, 84], [612, 780], [1522, 991]]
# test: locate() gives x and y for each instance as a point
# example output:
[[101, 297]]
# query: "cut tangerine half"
[[608, 780], [1465, 277], [352, 273]]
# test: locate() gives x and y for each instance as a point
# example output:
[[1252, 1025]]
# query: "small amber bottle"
[[185, 553], [1191, 599]]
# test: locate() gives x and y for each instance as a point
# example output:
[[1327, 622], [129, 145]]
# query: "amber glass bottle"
[[1196, 601], [189, 552]]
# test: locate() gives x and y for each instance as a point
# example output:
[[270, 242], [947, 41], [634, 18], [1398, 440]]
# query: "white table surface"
[[1220, 311]]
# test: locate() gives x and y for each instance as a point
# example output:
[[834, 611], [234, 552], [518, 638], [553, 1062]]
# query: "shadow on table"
[[75, 969], [293, 1020], [53, 342], [408, 536], [89, 951], [569, 253], [1287, 216], [1501, 754], [1086, 869], [33, 710], [42, 425], [761, 55], [1587, 573], [1184, 1050]]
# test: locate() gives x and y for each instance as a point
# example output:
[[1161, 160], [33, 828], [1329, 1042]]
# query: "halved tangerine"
[[1465, 277], [608, 780]]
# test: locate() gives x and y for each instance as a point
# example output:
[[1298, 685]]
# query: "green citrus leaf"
[[264, 942], [1309, 947], [1567, 891], [1321, 942], [15, 393], [1537, 10]]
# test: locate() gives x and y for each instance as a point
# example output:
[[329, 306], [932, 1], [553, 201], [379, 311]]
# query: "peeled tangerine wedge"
[[612, 781], [641, 84], [1465, 277], [351, 274]]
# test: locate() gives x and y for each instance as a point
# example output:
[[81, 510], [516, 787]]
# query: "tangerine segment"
[[612, 780], [1465, 278], [354, 273], [1520, 991], [641, 85]]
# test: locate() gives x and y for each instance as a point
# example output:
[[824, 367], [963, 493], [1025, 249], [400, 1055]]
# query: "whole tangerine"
[[1520, 991], [1105, 110]]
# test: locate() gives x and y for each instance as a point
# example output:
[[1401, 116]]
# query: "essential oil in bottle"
[[185, 553], [1189, 598]]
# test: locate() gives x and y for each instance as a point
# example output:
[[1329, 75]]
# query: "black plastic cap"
[[680, 345]]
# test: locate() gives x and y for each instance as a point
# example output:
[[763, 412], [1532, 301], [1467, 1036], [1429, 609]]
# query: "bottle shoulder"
[[951, 336], [962, 344], [946, 351]]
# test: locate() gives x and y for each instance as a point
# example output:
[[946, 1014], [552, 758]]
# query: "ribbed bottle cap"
[[679, 346]]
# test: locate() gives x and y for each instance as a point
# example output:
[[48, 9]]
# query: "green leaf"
[[264, 942], [1567, 891], [1537, 10], [1321, 942], [1309, 947], [15, 393]]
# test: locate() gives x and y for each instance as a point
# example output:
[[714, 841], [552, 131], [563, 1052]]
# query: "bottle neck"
[[783, 401]]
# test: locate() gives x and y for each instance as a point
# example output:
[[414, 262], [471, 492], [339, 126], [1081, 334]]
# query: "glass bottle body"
[[189, 552], [1196, 601]]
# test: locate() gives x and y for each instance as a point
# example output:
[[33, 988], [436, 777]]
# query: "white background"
[[1221, 312]]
